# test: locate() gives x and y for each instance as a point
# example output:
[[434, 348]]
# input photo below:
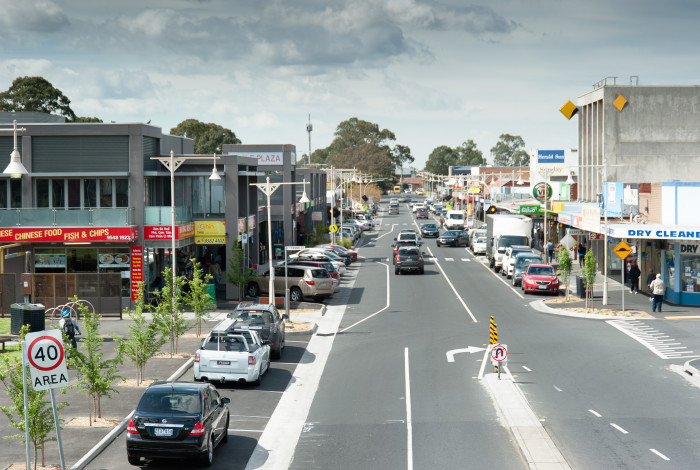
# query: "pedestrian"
[[634, 277], [581, 254], [650, 277], [215, 271], [550, 251], [540, 238], [658, 289], [262, 250], [69, 327], [442, 221]]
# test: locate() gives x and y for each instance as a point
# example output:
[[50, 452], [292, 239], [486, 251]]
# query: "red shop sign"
[[73, 234], [136, 270], [163, 232]]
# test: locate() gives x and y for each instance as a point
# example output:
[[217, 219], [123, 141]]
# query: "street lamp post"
[[545, 172], [172, 163], [268, 188], [15, 169]]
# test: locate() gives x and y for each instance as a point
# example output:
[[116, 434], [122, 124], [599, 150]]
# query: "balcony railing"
[[161, 215], [57, 217]]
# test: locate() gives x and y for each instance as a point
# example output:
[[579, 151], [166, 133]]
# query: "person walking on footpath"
[[581, 254], [634, 277], [650, 277], [69, 327], [658, 289], [550, 251], [215, 271]]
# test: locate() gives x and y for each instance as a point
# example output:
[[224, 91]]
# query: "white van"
[[454, 220]]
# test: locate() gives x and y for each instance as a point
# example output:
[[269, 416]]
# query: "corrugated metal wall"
[[150, 149], [6, 147], [80, 153]]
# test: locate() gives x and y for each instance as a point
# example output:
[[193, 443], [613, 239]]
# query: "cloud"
[[42, 16]]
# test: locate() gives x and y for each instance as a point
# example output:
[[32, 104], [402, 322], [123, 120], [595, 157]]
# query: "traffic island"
[[577, 305]]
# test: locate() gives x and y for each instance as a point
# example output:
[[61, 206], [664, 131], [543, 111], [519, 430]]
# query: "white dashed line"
[[659, 454], [449, 259], [557, 388], [595, 413], [618, 428], [527, 368]]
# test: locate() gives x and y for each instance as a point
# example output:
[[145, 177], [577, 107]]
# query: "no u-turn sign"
[[46, 359]]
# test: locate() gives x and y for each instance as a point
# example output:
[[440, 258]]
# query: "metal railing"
[[72, 217], [161, 215]]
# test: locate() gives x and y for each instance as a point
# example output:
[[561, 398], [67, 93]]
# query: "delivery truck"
[[502, 231]]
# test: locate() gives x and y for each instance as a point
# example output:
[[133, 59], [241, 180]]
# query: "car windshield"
[[224, 343], [456, 216], [541, 270], [168, 402], [449, 234], [505, 242], [252, 316], [481, 240], [430, 226]]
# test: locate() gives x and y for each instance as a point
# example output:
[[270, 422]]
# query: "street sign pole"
[[58, 430], [623, 250], [26, 405]]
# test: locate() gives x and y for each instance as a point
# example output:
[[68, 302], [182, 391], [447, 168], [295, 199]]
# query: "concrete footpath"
[[81, 444]]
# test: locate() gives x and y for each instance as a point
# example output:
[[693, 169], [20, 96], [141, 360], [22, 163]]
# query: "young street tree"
[[96, 375], [35, 94], [565, 267], [144, 339], [238, 272], [207, 136], [508, 151], [41, 422], [588, 274], [198, 297], [168, 315]]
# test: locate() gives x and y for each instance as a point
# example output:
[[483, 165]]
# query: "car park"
[[429, 230], [540, 278], [302, 281], [176, 421], [479, 246], [509, 258], [522, 262], [409, 258], [453, 238], [266, 320]]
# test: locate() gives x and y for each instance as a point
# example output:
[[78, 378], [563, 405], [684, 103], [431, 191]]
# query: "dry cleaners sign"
[[654, 232]]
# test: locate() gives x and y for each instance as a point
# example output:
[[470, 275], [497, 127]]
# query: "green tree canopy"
[[400, 155], [468, 154], [440, 159], [368, 158], [207, 136], [35, 94], [354, 132], [508, 151], [87, 119]]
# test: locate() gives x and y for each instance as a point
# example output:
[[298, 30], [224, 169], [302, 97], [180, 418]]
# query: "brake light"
[[196, 357], [251, 360], [420, 258], [311, 283], [198, 429], [131, 428], [397, 257]]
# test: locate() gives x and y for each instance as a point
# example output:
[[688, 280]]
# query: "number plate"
[[223, 363], [541, 287], [163, 432]]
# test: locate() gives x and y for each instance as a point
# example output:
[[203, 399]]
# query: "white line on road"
[[459, 297], [618, 428], [247, 416], [245, 430], [466, 259], [449, 259], [527, 368], [409, 416], [557, 388], [500, 278], [595, 413], [659, 454], [388, 301]]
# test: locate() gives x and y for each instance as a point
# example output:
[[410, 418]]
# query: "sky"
[[433, 73]]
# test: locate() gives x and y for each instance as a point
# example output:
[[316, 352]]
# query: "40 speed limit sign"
[[46, 359]]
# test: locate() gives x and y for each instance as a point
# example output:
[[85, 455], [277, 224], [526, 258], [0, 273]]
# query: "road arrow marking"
[[471, 350]]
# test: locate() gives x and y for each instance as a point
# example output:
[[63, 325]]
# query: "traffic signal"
[[336, 212], [491, 210], [365, 198]]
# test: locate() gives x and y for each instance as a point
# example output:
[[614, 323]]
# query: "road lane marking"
[[595, 413], [694, 317], [618, 428], [527, 368], [659, 454], [388, 301], [409, 416], [557, 388], [484, 361], [449, 259], [662, 346], [500, 278], [459, 297]]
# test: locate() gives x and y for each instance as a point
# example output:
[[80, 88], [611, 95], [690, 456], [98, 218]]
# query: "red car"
[[341, 249], [540, 278], [422, 214]]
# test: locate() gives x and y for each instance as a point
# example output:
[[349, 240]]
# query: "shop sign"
[[212, 232], [251, 222], [656, 232], [114, 260], [564, 218], [264, 158], [136, 270], [241, 224], [542, 191], [550, 156], [529, 210], [74, 234], [164, 232]]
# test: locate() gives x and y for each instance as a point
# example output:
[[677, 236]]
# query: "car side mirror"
[[225, 400], [285, 316]]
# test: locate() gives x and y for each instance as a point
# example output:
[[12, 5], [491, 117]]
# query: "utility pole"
[[309, 128]]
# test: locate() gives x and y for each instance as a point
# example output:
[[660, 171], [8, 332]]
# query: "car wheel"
[[295, 294], [224, 438], [133, 460], [422, 271], [207, 457], [258, 380], [253, 290], [437, 243], [277, 353]]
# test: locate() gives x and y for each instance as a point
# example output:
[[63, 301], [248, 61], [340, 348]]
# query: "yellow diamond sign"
[[622, 250], [620, 102], [569, 110]]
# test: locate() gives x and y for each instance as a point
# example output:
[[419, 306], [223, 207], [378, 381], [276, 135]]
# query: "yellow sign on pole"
[[622, 250], [333, 228]]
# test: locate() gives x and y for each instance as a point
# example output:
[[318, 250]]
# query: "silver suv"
[[303, 281]]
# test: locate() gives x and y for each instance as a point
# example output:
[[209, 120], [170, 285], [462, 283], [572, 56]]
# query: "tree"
[[368, 158], [95, 374], [35, 94], [400, 155], [320, 156], [564, 267], [508, 151], [469, 154], [168, 315], [440, 159], [144, 340], [238, 273], [198, 296], [86, 119], [588, 274], [355, 132], [41, 422], [208, 137]]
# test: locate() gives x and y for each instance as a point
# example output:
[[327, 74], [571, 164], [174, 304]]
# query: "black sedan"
[[409, 258], [267, 321], [429, 230], [177, 420], [453, 238]]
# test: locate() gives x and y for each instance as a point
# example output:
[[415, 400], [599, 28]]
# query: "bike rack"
[[69, 306]]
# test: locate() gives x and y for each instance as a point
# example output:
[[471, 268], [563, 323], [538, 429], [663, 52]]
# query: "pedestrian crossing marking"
[[449, 259], [663, 346], [466, 259]]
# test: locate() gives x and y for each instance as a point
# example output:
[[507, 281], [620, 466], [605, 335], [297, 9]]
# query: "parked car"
[[303, 281], [522, 262], [266, 320], [232, 353], [177, 420], [540, 278], [409, 258], [429, 230], [318, 256], [331, 253], [327, 265], [453, 238], [422, 213], [341, 249], [509, 258], [479, 246], [474, 234]]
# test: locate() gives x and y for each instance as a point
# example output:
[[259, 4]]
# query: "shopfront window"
[[81, 260], [669, 267], [50, 260], [689, 270], [90, 193]]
